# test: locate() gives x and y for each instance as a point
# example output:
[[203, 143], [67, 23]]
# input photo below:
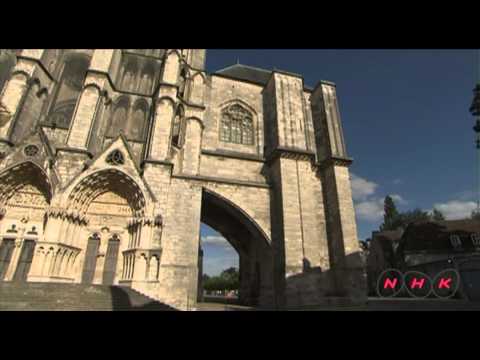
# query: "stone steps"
[[51, 296]]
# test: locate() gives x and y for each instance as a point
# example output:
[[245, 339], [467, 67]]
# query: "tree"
[[391, 216], [437, 215], [229, 279], [393, 219], [414, 215], [475, 215]]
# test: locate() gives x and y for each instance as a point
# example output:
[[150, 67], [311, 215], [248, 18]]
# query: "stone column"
[[14, 91], [12, 267], [161, 131], [346, 262], [178, 277], [192, 146], [87, 106], [171, 69]]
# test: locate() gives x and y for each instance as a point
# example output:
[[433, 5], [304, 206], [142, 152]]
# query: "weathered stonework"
[[112, 159]]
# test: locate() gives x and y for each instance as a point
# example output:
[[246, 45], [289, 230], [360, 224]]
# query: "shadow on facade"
[[124, 299], [344, 284]]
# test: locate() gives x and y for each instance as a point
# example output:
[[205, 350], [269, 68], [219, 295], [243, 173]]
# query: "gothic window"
[[67, 92], [119, 117], [130, 68], [147, 79], [236, 125], [137, 123]]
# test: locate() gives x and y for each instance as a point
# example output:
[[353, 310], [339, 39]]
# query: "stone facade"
[[111, 159]]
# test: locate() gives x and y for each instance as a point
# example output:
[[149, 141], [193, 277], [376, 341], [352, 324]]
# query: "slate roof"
[[426, 235], [250, 74]]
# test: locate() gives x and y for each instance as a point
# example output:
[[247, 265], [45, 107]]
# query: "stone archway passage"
[[251, 244]]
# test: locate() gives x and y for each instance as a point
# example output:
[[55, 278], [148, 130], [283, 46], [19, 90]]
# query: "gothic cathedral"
[[111, 159]]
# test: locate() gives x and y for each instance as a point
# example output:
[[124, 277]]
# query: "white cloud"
[[215, 241], [370, 210], [456, 209], [362, 188], [368, 205], [397, 181], [215, 265]]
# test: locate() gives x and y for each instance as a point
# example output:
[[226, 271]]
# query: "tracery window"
[[236, 125], [67, 91]]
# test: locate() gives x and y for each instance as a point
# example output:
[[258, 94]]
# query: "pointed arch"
[[87, 189], [118, 116], [147, 77], [250, 242], [136, 124], [24, 174], [214, 203], [129, 73], [197, 88], [71, 72]]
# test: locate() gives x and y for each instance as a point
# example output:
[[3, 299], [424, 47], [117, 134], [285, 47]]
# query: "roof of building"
[[392, 235], [252, 74], [435, 235]]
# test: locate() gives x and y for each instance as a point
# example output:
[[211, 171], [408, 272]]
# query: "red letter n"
[[390, 283]]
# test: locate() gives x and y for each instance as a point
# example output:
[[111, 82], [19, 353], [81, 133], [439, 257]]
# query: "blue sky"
[[406, 123]]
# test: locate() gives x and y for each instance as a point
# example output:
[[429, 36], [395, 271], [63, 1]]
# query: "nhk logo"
[[444, 285]]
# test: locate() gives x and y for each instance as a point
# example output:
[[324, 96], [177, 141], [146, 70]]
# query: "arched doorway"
[[249, 241], [24, 196], [114, 207]]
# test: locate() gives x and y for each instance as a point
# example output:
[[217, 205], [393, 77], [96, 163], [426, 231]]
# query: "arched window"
[[67, 91], [136, 124], [128, 78], [236, 125], [118, 120], [147, 79], [177, 125]]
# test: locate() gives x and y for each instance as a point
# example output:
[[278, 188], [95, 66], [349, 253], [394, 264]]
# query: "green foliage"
[[437, 215], [229, 279], [393, 219], [475, 215]]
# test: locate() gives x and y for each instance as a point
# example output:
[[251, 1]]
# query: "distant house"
[[431, 247]]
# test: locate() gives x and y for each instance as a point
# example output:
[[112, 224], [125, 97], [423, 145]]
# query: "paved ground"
[[373, 304]]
